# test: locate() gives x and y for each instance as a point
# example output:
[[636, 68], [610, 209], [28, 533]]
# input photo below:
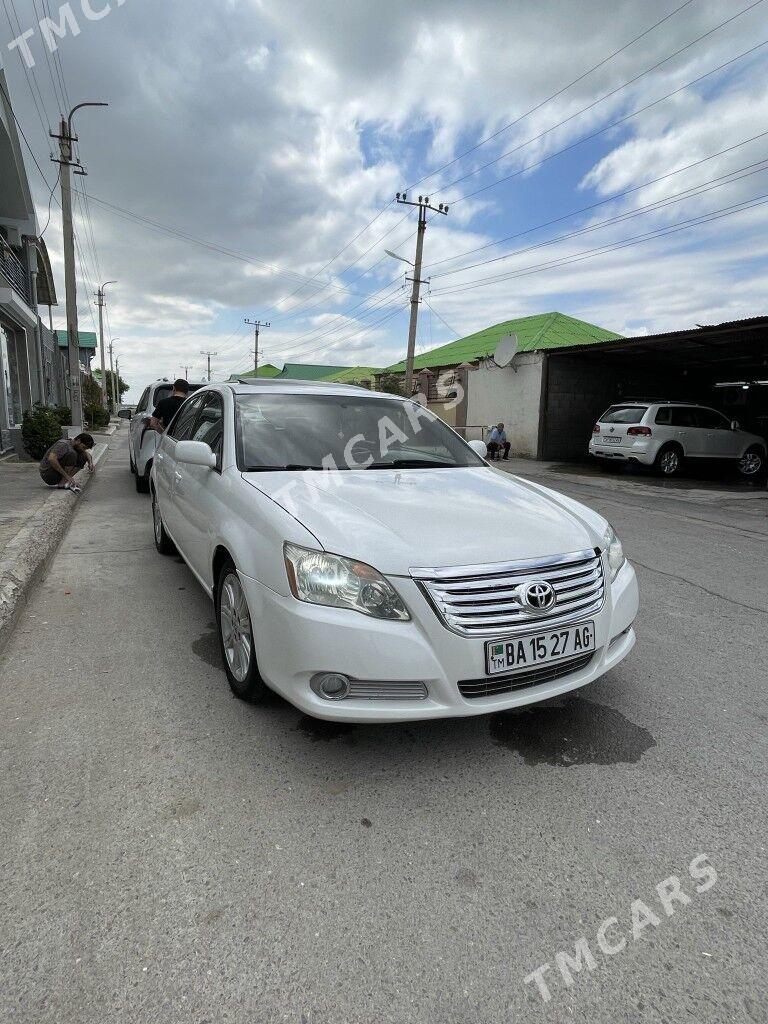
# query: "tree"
[[123, 387]]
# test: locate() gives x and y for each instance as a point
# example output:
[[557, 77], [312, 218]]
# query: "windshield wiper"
[[277, 469], [412, 464]]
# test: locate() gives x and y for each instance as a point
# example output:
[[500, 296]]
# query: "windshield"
[[352, 432], [624, 414]]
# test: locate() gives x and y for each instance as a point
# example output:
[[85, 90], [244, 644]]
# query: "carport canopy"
[[690, 365]]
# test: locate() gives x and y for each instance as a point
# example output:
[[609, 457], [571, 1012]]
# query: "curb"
[[30, 552]]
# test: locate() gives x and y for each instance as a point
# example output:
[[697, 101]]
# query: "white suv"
[[664, 434]]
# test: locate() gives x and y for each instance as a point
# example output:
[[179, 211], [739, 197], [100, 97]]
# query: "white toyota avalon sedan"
[[369, 565]]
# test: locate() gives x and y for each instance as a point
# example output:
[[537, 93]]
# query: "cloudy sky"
[[249, 158]]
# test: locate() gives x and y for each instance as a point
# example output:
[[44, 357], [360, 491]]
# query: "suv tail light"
[[596, 428], [639, 432]]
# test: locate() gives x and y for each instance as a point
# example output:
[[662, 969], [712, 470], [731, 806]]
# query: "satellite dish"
[[505, 350]]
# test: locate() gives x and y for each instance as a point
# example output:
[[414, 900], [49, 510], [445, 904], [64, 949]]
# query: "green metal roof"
[[353, 375], [542, 331], [267, 370], [309, 371], [87, 339]]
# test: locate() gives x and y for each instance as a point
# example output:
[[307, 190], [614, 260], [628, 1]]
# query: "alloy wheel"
[[750, 463], [157, 520], [235, 627], [670, 462]]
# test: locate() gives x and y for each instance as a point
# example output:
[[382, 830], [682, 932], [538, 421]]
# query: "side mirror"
[[195, 453], [479, 448], [124, 414], [735, 425]]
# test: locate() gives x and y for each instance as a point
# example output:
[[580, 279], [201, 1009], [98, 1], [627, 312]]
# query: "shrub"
[[96, 416], [39, 430], [62, 413]]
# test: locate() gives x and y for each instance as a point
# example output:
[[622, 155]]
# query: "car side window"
[[711, 419], [143, 401], [684, 416], [209, 426], [183, 422], [663, 415]]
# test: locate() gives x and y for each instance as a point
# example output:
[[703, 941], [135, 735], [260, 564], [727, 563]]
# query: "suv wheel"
[[236, 637], [669, 461], [752, 462], [163, 542]]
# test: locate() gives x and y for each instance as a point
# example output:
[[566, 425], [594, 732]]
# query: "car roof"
[[656, 401], [270, 385]]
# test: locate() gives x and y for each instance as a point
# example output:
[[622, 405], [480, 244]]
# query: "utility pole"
[[209, 354], [256, 324], [100, 304], [186, 372], [117, 382], [423, 205], [67, 160], [112, 374]]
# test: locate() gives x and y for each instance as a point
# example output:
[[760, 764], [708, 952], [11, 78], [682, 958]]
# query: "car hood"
[[397, 520]]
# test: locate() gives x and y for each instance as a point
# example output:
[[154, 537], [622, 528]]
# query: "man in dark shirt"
[[166, 408], [64, 458]]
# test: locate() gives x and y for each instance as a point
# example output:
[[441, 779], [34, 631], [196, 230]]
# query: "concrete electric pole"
[[208, 355], [117, 382], [67, 160], [256, 324], [112, 373], [100, 304], [423, 205]]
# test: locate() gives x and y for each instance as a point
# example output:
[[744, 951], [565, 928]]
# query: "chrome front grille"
[[485, 600]]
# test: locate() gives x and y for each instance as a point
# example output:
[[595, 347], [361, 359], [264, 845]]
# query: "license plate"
[[612, 440], [533, 649]]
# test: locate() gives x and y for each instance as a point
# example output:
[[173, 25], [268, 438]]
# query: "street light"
[[396, 257], [100, 303]]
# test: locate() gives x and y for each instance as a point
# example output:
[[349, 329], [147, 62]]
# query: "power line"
[[595, 205], [605, 128], [594, 103], [713, 183], [727, 211], [548, 99]]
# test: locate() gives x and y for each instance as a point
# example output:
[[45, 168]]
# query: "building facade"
[[30, 367]]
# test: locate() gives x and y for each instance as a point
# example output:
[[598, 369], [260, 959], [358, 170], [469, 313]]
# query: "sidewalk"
[[33, 521]]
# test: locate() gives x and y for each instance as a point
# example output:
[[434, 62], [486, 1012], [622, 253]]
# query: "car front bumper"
[[294, 640]]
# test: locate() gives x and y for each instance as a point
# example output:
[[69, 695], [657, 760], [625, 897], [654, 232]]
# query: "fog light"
[[330, 685]]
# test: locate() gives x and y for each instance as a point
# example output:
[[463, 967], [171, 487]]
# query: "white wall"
[[511, 395]]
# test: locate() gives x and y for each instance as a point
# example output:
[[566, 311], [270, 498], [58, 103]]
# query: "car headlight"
[[319, 578], [614, 550]]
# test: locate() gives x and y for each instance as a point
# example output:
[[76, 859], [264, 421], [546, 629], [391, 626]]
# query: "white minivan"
[[369, 565]]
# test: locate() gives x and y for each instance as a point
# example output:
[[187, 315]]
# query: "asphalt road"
[[171, 854]]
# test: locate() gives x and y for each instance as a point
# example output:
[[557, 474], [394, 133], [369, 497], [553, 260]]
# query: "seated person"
[[498, 441], [64, 458]]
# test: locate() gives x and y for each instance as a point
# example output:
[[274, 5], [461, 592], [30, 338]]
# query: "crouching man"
[[64, 458], [498, 443]]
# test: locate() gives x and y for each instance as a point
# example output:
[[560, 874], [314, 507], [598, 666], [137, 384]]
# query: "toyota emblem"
[[539, 596]]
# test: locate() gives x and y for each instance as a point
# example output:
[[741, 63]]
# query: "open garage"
[[725, 366]]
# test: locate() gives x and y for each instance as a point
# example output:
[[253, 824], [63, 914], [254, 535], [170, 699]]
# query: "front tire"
[[163, 542], [236, 637], [669, 461], [752, 463], [142, 483]]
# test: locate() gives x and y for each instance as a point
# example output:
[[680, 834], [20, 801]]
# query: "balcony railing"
[[14, 272]]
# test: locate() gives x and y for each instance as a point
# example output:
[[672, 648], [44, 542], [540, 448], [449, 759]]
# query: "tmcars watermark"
[[360, 451], [612, 937], [67, 24]]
